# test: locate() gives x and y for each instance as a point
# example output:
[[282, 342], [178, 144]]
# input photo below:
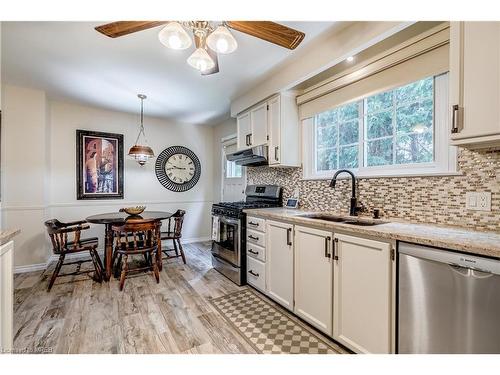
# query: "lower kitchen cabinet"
[[362, 296], [314, 277], [279, 262], [256, 273]]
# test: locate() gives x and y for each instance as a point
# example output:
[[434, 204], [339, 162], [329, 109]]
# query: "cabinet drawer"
[[256, 273], [255, 223], [256, 251], [257, 238]]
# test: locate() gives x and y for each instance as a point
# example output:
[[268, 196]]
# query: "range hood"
[[251, 158]]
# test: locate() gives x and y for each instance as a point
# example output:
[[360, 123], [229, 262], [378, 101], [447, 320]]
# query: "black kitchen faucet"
[[353, 210]]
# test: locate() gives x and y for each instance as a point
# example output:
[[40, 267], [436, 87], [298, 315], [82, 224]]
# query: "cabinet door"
[[274, 118], [362, 293], [280, 262], [6, 295], [258, 116], [475, 79], [314, 277], [244, 131]]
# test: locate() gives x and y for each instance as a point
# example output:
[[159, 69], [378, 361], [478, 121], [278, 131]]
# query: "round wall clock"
[[178, 168]]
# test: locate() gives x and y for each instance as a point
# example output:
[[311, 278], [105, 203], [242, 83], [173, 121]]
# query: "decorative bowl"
[[133, 210]]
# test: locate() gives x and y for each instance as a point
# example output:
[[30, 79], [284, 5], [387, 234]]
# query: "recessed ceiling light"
[[350, 59]]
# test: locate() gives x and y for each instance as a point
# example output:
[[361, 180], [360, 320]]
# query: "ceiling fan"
[[210, 38]]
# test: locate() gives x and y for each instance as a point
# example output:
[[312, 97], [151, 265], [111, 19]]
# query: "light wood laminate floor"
[[82, 316], [175, 316]]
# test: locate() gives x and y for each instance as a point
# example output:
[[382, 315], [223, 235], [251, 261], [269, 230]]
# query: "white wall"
[[24, 143], [222, 130], [51, 183]]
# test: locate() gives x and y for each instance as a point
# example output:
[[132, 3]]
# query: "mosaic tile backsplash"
[[435, 200]]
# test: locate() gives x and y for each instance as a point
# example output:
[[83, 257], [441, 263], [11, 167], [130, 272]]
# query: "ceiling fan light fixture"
[[222, 41], [201, 60], [174, 36]]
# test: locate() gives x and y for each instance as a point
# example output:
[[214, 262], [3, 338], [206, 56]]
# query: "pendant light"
[[141, 152]]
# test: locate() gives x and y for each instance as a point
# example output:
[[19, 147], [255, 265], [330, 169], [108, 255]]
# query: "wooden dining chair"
[[137, 237], [174, 233], [62, 246]]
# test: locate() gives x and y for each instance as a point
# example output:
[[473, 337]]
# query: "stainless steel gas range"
[[229, 230]]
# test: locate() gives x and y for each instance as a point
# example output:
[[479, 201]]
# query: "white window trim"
[[445, 163]]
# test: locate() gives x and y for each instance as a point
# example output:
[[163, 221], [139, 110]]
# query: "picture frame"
[[99, 165]]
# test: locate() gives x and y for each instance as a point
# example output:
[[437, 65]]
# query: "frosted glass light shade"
[[222, 41], [174, 36], [201, 60]]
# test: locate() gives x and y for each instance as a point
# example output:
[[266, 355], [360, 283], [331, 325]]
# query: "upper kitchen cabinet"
[[252, 127], [274, 123], [244, 131], [475, 84], [259, 121], [284, 135]]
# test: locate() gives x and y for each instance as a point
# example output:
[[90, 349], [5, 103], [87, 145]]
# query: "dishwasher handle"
[[480, 265]]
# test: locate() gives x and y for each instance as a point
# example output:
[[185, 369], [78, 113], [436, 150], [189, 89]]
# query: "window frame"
[[445, 155], [232, 166]]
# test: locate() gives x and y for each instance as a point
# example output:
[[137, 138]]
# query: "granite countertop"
[[7, 235], [474, 242]]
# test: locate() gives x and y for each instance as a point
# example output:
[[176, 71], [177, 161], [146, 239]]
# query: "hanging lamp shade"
[[141, 151]]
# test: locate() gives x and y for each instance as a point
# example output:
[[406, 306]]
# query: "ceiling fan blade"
[[120, 28], [270, 31], [215, 69]]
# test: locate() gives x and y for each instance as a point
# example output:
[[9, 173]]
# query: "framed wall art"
[[99, 165]]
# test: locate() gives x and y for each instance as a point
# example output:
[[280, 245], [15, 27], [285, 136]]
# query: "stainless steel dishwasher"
[[449, 302]]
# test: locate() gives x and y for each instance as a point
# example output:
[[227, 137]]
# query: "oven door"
[[228, 245]]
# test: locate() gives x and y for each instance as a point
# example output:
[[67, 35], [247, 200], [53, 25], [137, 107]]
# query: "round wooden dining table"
[[111, 218]]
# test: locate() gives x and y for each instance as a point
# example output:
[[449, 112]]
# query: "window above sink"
[[398, 132]]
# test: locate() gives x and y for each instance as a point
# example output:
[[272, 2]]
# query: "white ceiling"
[[71, 61]]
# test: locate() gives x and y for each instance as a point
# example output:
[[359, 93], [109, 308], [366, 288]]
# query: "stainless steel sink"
[[325, 217], [364, 222], [345, 219]]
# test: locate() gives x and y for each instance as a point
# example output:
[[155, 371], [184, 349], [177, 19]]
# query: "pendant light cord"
[[141, 130]]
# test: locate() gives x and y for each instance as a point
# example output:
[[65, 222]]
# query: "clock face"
[[178, 168]]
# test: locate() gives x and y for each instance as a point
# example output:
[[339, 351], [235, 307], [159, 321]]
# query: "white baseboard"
[[78, 256], [30, 268]]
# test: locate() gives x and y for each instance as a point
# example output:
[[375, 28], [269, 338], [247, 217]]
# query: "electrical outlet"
[[478, 201]]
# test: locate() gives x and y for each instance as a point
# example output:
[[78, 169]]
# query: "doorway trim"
[[225, 141]]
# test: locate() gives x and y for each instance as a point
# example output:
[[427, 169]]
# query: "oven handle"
[[226, 220]]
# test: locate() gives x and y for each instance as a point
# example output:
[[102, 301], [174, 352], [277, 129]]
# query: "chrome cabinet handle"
[[454, 118], [253, 273], [276, 153], [327, 242], [335, 249], [288, 233], [253, 238], [254, 224], [253, 252]]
